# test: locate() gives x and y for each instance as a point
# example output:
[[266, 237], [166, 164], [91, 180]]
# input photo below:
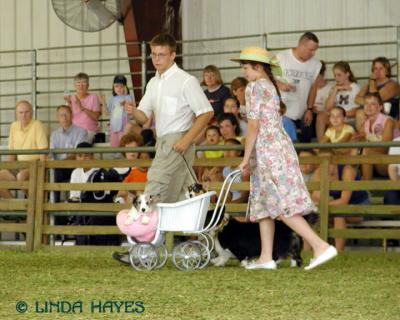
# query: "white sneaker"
[[266, 265], [327, 255]]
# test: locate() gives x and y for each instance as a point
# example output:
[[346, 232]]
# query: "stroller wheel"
[[143, 256], [205, 254], [187, 256], [162, 256]]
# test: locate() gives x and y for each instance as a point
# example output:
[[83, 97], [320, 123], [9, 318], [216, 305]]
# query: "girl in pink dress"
[[277, 188]]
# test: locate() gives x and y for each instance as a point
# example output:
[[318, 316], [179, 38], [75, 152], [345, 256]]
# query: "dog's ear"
[[155, 198], [134, 195]]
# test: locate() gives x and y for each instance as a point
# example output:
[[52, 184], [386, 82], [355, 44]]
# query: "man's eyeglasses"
[[158, 55]]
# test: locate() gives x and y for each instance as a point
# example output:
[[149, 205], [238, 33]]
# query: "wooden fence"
[[36, 209]]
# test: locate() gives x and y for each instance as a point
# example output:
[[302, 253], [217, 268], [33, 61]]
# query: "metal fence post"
[[144, 68], [264, 38], [34, 82]]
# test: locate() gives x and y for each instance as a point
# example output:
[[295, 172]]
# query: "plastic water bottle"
[[387, 106]]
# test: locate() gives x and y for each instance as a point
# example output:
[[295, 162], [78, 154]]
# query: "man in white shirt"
[[181, 112], [298, 84]]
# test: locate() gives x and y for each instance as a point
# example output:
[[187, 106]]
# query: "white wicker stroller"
[[188, 217]]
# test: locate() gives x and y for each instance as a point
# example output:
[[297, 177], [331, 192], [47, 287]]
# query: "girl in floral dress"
[[277, 188]]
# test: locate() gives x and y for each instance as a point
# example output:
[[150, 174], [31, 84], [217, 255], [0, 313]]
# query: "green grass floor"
[[356, 285]]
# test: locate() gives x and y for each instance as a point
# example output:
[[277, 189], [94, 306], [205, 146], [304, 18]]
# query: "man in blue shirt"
[[66, 136]]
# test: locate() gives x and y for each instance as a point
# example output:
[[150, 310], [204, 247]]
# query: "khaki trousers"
[[168, 176]]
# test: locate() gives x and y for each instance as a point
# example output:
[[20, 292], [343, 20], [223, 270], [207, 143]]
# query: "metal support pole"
[[144, 68], [264, 42], [34, 82]]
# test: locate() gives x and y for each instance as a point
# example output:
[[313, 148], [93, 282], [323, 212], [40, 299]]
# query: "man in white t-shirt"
[[298, 84], [181, 111]]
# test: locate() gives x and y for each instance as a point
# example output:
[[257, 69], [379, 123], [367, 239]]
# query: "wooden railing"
[[20, 208], [37, 208]]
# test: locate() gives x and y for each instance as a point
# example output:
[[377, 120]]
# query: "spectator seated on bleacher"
[[136, 174], [338, 131], [342, 94], [216, 92], [288, 125], [344, 197], [323, 89], [238, 89], [393, 196], [66, 136], [25, 134], [88, 175], [85, 106], [237, 196], [81, 175], [218, 174], [229, 127], [380, 82], [231, 105], [307, 170], [213, 138], [377, 127]]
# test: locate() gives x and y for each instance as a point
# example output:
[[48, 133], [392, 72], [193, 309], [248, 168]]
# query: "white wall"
[[227, 18], [33, 24]]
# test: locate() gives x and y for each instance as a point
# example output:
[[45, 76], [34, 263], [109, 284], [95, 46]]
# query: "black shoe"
[[122, 257]]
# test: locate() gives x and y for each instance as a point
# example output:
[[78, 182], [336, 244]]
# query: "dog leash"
[[247, 217], [190, 170]]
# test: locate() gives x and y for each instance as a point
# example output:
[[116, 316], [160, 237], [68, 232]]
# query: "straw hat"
[[257, 54]]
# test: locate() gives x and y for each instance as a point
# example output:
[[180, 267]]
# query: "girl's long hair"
[[345, 67], [268, 71]]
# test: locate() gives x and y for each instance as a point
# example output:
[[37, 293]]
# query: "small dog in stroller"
[[140, 222]]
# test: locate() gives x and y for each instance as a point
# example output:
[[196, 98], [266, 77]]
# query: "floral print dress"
[[276, 183]]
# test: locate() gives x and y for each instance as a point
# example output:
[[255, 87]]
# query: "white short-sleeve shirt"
[[322, 96], [174, 97], [300, 74], [78, 175], [347, 98], [395, 151]]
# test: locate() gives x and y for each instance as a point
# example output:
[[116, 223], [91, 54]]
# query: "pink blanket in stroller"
[[141, 227]]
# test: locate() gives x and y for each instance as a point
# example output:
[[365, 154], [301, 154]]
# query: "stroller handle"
[[230, 178]]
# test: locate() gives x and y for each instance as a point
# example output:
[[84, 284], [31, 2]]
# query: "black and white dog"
[[241, 240]]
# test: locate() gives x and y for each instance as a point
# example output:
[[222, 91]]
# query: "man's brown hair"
[[164, 39], [309, 36]]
